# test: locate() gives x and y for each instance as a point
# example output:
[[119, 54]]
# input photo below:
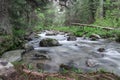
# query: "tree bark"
[[101, 8], [5, 26]]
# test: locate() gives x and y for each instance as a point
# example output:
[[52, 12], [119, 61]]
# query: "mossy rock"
[[49, 42], [118, 37]]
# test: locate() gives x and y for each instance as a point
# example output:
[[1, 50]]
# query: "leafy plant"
[[30, 66]]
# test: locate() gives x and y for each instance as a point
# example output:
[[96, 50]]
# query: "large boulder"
[[28, 47], [30, 36], [94, 37], [6, 69], [13, 56], [71, 38], [49, 42]]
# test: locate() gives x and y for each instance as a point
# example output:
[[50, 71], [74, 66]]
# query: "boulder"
[[71, 38], [51, 33], [94, 36], [13, 56], [28, 47], [29, 36], [101, 49], [48, 42], [91, 63], [6, 68]]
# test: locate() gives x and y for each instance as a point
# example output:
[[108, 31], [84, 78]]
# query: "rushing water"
[[78, 52]]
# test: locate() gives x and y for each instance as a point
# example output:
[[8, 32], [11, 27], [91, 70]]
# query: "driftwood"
[[43, 75], [94, 26]]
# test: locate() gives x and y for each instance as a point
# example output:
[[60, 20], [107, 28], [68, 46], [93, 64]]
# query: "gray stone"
[[29, 36], [6, 70], [91, 63], [94, 36], [13, 56], [49, 42], [28, 47], [51, 33], [71, 38], [101, 49]]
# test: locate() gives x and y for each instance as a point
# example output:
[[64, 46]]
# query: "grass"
[[87, 31], [54, 78]]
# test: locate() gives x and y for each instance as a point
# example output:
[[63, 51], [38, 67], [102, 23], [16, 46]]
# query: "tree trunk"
[[5, 26], [101, 8]]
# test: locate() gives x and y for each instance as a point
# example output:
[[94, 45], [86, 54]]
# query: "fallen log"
[[43, 75], [94, 26]]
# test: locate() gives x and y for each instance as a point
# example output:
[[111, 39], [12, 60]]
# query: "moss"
[[8, 42]]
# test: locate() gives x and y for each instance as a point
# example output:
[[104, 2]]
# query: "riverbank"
[[77, 53]]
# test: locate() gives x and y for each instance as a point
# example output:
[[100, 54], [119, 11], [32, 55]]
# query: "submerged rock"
[[49, 42], [35, 55], [43, 66], [101, 49], [41, 57], [71, 38], [12, 56]]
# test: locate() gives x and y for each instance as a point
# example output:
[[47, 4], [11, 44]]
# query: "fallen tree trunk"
[[94, 26]]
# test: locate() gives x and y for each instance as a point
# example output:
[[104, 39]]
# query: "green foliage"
[[9, 43], [30, 66], [87, 31], [108, 22], [111, 14], [102, 70], [5, 44]]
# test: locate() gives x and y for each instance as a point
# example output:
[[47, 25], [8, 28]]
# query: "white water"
[[77, 52]]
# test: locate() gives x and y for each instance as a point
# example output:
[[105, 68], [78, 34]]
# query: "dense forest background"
[[18, 17]]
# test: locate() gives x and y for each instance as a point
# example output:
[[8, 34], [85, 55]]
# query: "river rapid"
[[83, 54]]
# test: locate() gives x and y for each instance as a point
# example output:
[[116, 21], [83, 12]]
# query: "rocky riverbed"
[[69, 51]]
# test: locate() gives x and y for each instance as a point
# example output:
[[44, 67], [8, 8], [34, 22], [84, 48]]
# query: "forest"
[[59, 39]]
